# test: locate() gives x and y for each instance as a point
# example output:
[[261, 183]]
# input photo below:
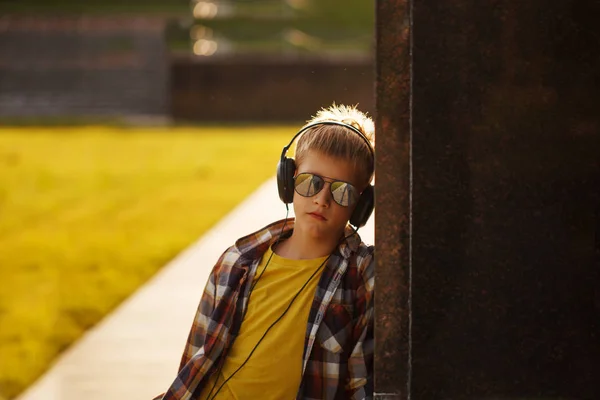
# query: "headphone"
[[286, 168]]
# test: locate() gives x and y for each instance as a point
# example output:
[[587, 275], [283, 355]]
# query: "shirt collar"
[[255, 244]]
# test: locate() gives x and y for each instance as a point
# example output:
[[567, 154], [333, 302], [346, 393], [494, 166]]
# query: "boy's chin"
[[321, 230]]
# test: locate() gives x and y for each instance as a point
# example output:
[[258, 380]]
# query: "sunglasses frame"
[[331, 181]]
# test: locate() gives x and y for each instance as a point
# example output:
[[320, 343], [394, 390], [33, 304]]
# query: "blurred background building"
[[180, 60]]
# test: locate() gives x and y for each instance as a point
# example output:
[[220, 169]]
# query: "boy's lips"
[[318, 216]]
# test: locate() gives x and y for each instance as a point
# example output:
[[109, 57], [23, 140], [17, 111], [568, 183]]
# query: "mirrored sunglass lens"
[[343, 193], [308, 184]]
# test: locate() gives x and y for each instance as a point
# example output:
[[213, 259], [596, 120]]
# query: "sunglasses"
[[308, 185]]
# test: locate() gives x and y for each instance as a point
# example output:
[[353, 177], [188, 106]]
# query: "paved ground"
[[134, 352]]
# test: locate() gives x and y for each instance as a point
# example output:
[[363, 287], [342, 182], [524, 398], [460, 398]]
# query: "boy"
[[288, 310]]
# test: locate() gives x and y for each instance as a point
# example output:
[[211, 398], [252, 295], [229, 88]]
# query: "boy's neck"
[[299, 247]]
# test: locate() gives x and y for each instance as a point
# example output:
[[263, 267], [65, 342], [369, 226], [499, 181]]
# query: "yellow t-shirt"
[[274, 370]]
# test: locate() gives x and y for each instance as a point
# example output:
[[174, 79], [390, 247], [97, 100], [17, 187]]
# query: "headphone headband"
[[343, 124]]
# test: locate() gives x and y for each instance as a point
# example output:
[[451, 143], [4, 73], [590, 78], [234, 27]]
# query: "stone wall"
[[82, 66], [89, 66], [245, 88]]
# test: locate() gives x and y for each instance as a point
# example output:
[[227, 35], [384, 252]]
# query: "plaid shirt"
[[338, 347]]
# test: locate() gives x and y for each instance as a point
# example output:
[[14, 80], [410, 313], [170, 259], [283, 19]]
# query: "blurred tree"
[[343, 14], [303, 25], [240, 25]]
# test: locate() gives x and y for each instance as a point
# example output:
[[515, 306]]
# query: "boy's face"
[[319, 216]]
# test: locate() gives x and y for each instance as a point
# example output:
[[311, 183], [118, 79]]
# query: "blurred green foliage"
[[242, 25]]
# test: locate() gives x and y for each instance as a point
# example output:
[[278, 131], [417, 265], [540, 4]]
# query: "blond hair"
[[338, 141]]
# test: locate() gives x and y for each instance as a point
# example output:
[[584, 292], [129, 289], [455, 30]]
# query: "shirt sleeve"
[[360, 362], [197, 334]]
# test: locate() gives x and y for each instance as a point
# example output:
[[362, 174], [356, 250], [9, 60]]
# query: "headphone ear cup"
[[364, 207], [286, 168]]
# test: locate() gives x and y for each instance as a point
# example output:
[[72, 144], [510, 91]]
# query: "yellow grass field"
[[88, 214]]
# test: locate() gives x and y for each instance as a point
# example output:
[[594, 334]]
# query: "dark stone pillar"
[[488, 201]]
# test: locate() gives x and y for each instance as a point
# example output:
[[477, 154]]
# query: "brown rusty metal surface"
[[393, 208], [487, 200]]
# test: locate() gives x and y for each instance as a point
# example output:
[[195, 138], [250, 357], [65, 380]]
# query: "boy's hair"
[[337, 141]]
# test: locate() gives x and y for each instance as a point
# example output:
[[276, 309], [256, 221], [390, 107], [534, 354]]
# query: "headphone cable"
[[354, 231], [254, 283], [271, 326]]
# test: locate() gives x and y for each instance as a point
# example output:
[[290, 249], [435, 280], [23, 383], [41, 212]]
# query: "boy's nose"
[[324, 196]]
